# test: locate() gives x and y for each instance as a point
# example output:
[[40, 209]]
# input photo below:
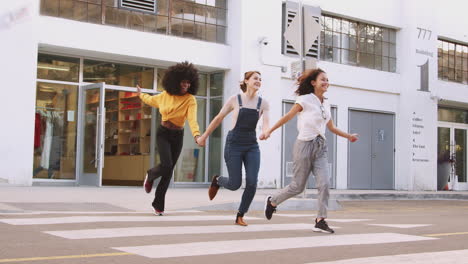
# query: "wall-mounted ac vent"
[[148, 6]]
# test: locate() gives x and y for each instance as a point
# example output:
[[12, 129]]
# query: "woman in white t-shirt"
[[310, 149]]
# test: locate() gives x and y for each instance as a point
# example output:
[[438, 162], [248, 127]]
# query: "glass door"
[[92, 127], [460, 152], [452, 152]]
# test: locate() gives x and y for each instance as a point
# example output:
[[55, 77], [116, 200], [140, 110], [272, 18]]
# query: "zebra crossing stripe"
[[96, 212], [444, 257], [328, 219], [94, 219], [236, 246], [401, 225], [347, 220], [173, 230]]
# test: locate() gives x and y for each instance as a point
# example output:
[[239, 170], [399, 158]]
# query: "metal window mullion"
[[207, 122], [153, 124], [57, 82], [81, 70], [169, 17]]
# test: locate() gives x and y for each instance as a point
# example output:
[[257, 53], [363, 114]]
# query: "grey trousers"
[[308, 156]]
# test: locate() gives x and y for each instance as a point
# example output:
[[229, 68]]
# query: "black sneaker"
[[269, 209], [322, 226]]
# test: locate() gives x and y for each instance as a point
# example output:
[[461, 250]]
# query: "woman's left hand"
[[138, 90], [353, 137], [265, 135], [201, 141]]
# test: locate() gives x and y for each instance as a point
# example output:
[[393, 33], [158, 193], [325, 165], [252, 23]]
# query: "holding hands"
[[265, 135], [200, 140]]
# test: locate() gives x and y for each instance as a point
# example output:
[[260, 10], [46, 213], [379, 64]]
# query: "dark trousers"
[[169, 143], [241, 148]]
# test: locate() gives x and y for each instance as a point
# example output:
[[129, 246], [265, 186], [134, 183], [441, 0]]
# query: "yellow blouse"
[[175, 109]]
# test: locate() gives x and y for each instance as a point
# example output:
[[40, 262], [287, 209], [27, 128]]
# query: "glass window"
[[221, 17], [66, 9], [215, 140], [210, 32], [94, 13], [177, 8], [188, 27], [162, 24], [189, 11], [57, 68], [200, 32], [213, 12], [369, 43], [55, 131], [216, 84], [200, 13], [160, 73], [452, 60], [221, 3], [161, 7], [202, 87], [453, 115], [378, 63], [50, 7], [443, 144], [460, 153], [149, 23], [210, 15], [191, 164], [176, 27], [221, 34], [118, 74]]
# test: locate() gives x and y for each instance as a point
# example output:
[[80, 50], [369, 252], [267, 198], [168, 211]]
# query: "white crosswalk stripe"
[[91, 219], [174, 230], [328, 219], [347, 220], [96, 212], [236, 246], [401, 225], [445, 257]]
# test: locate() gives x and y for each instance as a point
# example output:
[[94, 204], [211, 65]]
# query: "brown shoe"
[[214, 187], [240, 221]]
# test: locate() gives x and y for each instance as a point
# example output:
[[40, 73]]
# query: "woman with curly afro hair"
[[176, 104]]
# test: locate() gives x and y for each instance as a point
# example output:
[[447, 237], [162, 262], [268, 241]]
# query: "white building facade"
[[398, 74]]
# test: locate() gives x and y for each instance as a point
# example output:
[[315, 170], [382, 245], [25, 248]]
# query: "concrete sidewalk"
[[48, 198]]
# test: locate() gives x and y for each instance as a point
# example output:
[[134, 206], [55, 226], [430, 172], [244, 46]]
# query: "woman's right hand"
[[265, 135], [201, 141], [138, 90]]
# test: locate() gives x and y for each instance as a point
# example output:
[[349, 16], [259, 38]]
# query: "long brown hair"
[[305, 81], [247, 76]]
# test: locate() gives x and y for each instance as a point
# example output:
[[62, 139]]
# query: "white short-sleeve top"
[[312, 120]]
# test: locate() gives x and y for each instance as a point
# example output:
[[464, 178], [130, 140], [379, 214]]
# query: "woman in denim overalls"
[[241, 142]]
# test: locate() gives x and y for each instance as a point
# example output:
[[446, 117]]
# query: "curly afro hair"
[[176, 74]]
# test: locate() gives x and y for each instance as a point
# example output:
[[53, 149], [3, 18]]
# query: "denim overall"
[[242, 147]]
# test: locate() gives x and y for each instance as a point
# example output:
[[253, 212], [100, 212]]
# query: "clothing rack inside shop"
[[48, 108]]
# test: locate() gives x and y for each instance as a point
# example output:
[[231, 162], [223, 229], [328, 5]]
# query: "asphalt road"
[[373, 231]]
